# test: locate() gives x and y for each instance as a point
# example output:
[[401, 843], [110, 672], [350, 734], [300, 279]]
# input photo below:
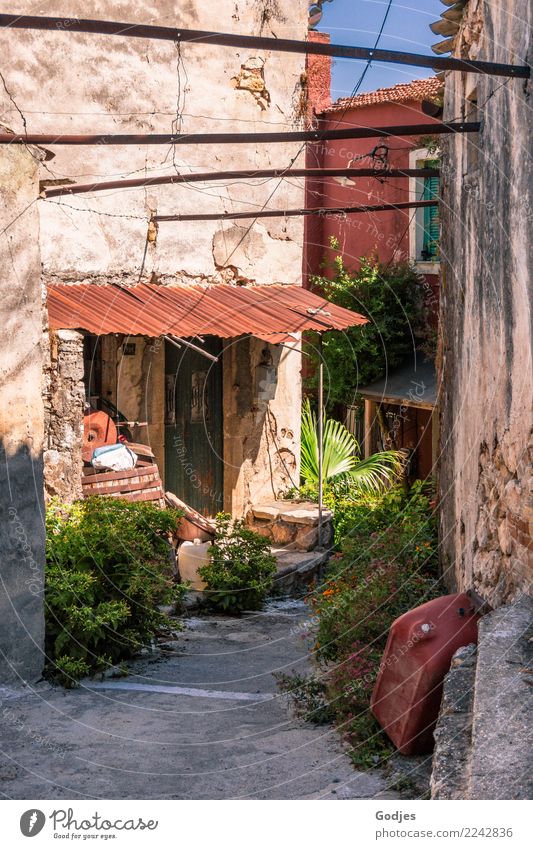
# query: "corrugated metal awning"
[[414, 384], [272, 313]]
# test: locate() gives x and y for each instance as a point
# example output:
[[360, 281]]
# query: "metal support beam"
[[242, 138], [214, 176], [179, 342], [252, 42], [320, 435], [290, 213]]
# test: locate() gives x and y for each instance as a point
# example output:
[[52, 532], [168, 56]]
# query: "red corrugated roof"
[[270, 312], [402, 93]]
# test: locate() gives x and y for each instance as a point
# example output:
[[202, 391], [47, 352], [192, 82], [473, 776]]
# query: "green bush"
[[386, 565], [107, 569], [392, 298], [241, 569], [341, 457]]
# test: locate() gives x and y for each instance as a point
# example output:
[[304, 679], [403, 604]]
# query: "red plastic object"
[[98, 429], [408, 690]]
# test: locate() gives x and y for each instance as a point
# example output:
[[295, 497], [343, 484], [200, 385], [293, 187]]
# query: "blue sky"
[[358, 22]]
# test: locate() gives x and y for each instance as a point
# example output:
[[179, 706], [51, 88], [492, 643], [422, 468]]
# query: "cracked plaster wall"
[[78, 83], [486, 345], [21, 422], [136, 87]]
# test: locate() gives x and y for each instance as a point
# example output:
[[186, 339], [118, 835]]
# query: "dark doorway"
[[193, 426]]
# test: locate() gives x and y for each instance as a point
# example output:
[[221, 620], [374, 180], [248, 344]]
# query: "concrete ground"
[[206, 722]]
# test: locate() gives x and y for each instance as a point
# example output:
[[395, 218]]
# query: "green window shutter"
[[431, 215]]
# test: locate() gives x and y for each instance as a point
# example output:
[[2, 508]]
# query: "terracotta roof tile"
[[402, 93]]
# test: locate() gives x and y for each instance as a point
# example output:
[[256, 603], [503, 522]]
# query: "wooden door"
[[193, 426]]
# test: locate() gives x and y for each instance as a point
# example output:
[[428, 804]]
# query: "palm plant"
[[342, 456]]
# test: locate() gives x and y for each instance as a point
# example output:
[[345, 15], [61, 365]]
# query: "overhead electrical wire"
[[369, 62]]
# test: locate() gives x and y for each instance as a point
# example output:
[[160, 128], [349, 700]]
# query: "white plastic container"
[[191, 556]]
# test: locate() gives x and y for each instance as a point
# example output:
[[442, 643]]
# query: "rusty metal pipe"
[[242, 138], [310, 173], [252, 42], [288, 213]]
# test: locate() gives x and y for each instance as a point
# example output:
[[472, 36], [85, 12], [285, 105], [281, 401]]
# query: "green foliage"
[[107, 569], [341, 456], [392, 298], [309, 696], [386, 565], [240, 572], [68, 671]]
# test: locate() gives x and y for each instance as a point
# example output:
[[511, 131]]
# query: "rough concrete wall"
[[261, 436], [64, 397], [119, 85], [21, 422], [486, 353]]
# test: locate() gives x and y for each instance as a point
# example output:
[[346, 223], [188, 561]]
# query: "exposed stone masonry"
[[64, 397]]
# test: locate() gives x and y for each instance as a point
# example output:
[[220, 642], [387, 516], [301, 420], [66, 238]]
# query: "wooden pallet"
[[143, 483]]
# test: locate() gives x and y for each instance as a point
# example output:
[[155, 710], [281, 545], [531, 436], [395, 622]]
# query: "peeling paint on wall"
[[251, 78]]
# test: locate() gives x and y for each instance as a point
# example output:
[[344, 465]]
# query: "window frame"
[[423, 266]]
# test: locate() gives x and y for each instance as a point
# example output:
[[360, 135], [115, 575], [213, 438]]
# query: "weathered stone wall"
[[75, 83], [486, 345], [21, 421], [64, 398]]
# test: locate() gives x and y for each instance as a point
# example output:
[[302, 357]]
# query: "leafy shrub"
[[309, 696], [392, 298], [107, 569], [386, 565], [241, 569], [341, 457]]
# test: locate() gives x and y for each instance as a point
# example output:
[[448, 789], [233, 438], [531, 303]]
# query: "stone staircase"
[[297, 570], [484, 736], [292, 526]]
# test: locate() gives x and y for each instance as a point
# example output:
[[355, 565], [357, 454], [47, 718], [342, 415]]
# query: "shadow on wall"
[[22, 553]]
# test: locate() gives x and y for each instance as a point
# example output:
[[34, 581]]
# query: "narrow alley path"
[[202, 721]]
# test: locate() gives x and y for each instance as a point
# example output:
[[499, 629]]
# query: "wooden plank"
[[143, 496], [139, 448], [129, 473], [146, 495], [109, 488]]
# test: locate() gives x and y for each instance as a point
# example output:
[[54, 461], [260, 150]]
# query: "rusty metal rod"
[[311, 173], [179, 342], [252, 42], [287, 213], [242, 138]]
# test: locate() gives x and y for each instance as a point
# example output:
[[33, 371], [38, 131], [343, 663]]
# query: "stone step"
[[293, 523], [484, 736], [501, 763], [453, 734], [296, 569]]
